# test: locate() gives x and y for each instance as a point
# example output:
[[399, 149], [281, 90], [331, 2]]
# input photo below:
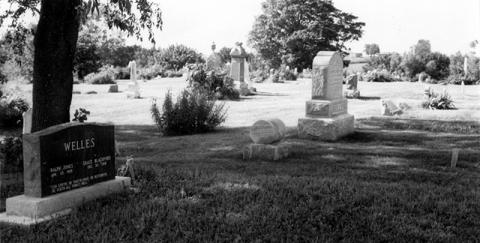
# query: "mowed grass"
[[389, 181], [282, 100]]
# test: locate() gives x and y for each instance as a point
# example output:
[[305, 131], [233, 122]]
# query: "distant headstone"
[[113, 88], [327, 117], [390, 108], [64, 166], [238, 55], [133, 91], [267, 131]]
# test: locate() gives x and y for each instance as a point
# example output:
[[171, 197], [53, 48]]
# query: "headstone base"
[[326, 108], [327, 129], [266, 151], [352, 94], [25, 210]]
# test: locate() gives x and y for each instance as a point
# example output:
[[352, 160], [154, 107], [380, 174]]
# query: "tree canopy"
[[372, 49], [293, 31], [55, 44]]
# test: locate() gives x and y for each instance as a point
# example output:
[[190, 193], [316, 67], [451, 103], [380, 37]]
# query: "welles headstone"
[[67, 157], [327, 117], [64, 166]]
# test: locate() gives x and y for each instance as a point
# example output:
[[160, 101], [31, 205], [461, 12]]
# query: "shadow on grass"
[[378, 184], [368, 98]]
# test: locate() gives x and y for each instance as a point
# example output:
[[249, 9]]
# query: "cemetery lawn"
[[390, 181]]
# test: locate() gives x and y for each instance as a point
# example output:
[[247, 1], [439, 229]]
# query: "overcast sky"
[[395, 25]]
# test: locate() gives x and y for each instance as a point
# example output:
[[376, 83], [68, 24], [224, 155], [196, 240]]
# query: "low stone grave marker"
[[267, 131], [267, 136], [113, 88], [64, 166]]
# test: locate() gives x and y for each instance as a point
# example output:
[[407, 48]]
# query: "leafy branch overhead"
[[131, 16]]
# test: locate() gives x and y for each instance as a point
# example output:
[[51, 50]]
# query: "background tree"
[[55, 44], [17, 50], [225, 54], [294, 31], [423, 48], [372, 49], [177, 56]]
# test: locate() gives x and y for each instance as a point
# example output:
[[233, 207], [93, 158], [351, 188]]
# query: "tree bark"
[[55, 43]]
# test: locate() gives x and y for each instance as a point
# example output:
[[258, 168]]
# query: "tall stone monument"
[[239, 56], [133, 91], [326, 114], [239, 68]]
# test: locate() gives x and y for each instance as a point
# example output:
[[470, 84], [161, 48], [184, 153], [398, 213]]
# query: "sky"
[[395, 25]]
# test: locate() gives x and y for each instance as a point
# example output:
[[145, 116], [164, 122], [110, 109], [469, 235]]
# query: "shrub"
[[11, 151], [437, 101], [213, 85], [11, 110], [259, 75], [106, 75], [122, 73], [378, 76], [437, 66], [174, 74], [287, 75], [192, 113], [81, 115], [151, 72]]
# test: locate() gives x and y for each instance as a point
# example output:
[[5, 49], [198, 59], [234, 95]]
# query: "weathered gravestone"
[[239, 68], [64, 166], [327, 117], [267, 136], [352, 84], [133, 91], [113, 88]]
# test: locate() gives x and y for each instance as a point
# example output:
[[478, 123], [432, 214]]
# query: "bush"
[[151, 72], [11, 110], [288, 75], [437, 101], [81, 115], [378, 76], [192, 113], [174, 74], [12, 153], [259, 75], [122, 73], [105, 76], [213, 85]]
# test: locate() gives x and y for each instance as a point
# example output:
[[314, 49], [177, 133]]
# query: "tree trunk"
[[55, 43]]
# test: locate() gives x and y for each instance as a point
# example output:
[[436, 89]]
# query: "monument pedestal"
[[328, 129], [26, 210], [266, 151]]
